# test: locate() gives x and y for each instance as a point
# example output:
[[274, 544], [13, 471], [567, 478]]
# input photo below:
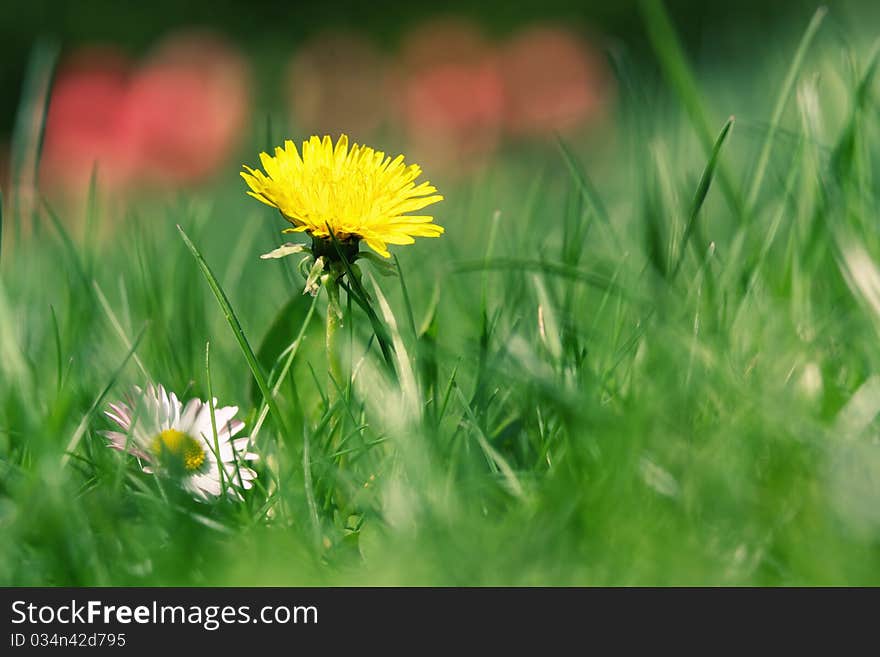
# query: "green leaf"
[[290, 319]]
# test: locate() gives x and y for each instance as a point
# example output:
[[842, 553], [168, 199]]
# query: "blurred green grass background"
[[636, 362]]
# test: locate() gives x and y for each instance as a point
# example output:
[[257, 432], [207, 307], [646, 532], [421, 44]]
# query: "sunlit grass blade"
[[404, 365], [14, 365], [844, 153], [309, 487], [496, 461], [114, 322]]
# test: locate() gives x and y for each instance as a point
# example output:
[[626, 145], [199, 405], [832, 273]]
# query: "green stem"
[[331, 336]]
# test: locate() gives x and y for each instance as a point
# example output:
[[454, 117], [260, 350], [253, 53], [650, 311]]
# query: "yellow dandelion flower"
[[360, 193]]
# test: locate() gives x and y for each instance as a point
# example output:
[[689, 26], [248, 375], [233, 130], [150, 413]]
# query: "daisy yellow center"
[[356, 192], [180, 449]]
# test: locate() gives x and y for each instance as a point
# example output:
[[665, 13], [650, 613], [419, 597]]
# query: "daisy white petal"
[[177, 440]]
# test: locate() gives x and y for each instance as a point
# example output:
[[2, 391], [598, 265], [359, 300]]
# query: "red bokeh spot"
[[172, 121], [187, 106], [85, 125], [554, 82], [449, 94]]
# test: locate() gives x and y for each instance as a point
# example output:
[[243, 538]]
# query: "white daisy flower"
[[178, 440]]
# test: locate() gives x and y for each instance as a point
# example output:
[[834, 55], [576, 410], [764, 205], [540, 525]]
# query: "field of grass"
[[651, 362]]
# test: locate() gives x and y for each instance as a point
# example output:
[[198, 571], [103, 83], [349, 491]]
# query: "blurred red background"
[[171, 119], [449, 93]]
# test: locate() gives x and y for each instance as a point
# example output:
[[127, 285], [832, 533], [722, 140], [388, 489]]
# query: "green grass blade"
[[354, 287], [30, 119], [276, 341], [310, 488], [291, 352], [781, 214], [676, 69], [700, 196], [91, 223], [237, 331], [69, 246], [781, 101], [117, 326], [593, 279], [56, 334], [843, 155], [14, 366], [406, 376], [84, 423], [494, 458], [212, 410], [406, 300], [674, 65], [587, 190]]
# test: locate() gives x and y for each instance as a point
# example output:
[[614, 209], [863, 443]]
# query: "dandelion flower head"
[[356, 192]]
